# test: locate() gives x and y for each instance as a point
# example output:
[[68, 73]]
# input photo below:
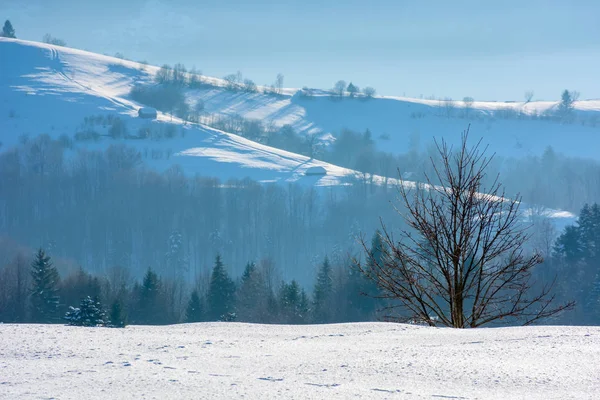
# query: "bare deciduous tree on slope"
[[462, 261]]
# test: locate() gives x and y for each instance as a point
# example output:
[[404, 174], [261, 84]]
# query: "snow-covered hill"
[[342, 361], [46, 89], [32, 72], [397, 123], [49, 89]]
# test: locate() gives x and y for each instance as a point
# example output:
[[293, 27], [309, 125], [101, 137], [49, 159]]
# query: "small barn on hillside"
[[316, 170], [147, 113]]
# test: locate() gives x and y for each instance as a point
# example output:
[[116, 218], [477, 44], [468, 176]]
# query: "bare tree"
[[314, 144], [461, 262], [279, 83], [250, 86], [195, 78], [369, 92], [448, 106], [231, 82], [48, 38], [528, 96], [468, 101], [339, 88], [179, 74]]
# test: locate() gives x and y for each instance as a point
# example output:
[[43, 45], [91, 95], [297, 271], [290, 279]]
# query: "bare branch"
[[461, 261]]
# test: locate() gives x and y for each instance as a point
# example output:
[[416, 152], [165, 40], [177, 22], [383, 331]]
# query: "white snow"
[[340, 361], [50, 89], [34, 75]]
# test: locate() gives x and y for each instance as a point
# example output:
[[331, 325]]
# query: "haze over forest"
[[242, 167]]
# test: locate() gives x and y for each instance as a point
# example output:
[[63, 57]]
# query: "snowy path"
[[374, 360]]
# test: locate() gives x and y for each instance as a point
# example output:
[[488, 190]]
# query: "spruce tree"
[[294, 303], [194, 312], [322, 294], [568, 245], [589, 227], [565, 107], [249, 270], [221, 293], [8, 30], [352, 89], [44, 292], [149, 310], [581, 242], [117, 316], [89, 313], [303, 307], [252, 296]]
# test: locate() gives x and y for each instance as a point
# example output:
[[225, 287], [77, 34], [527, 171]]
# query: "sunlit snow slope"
[[340, 361], [50, 89]]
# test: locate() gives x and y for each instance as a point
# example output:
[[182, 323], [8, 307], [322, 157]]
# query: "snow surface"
[[51, 89], [342, 361]]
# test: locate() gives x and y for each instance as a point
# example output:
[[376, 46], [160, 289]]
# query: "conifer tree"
[[294, 303], [581, 242], [303, 306], [89, 313], [8, 30], [249, 271], [44, 293], [566, 105], [578, 247], [117, 316], [194, 312], [352, 89], [589, 226], [362, 292], [149, 310], [252, 296], [322, 294], [221, 293]]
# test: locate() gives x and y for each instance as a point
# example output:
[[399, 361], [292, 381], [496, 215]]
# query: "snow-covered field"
[[233, 360]]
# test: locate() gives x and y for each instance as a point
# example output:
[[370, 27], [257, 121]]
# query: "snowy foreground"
[[231, 360]]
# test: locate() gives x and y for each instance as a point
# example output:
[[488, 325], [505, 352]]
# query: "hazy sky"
[[490, 50]]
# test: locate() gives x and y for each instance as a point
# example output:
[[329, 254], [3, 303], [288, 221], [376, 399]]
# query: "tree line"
[[462, 259], [105, 208], [34, 292]]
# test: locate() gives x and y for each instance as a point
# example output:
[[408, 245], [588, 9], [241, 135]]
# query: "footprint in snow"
[[327, 385], [271, 379]]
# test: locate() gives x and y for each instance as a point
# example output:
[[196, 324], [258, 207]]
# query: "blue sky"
[[490, 50]]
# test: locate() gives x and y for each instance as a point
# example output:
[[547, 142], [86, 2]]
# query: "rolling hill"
[[46, 89]]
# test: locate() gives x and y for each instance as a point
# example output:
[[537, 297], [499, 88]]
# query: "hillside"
[[232, 360], [100, 83], [52, 90], [396, 122], [66, 93]]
